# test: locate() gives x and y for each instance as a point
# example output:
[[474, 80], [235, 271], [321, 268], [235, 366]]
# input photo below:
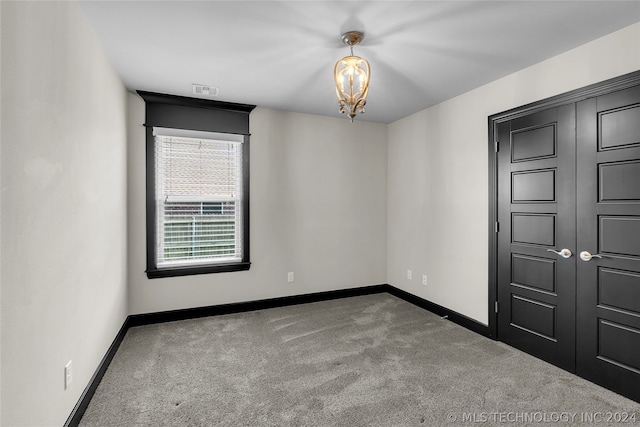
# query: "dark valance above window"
[[197, 185], [171, 111]]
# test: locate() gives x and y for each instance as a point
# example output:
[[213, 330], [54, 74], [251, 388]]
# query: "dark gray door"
[[569, 182], [608, 214], [536, 215]]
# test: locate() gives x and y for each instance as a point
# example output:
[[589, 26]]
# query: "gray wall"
[[318, 209], [438, 176], [63, 217]]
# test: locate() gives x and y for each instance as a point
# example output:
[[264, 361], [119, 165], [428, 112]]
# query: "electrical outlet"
[[68, 375], [424, 279], [290, 277], [409, 274]]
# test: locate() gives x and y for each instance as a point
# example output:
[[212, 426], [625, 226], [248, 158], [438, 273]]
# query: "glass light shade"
[[351, 74]]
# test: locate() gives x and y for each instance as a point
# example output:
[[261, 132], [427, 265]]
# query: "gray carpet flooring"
[[372, 360]]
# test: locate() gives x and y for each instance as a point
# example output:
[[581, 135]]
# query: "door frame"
[[607, 86]]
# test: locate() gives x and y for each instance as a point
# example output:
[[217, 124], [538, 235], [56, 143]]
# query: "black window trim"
[[180, 112]]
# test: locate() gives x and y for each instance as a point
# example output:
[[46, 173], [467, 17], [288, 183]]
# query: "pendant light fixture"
[[351, 74]]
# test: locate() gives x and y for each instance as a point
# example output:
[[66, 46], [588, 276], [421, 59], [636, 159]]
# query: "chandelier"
[[351, 74]]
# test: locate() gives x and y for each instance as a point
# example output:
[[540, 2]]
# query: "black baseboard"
[[239, 307], [455, 317], [87, 394], [216, 310]]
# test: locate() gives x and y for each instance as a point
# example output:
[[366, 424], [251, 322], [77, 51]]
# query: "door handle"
[[586, 256], [564, 253]]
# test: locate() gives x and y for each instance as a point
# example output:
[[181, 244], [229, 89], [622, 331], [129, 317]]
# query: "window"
[[198, 187], [197, 191]]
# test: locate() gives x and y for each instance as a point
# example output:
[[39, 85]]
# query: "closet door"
[[537, 233], [608, 241]]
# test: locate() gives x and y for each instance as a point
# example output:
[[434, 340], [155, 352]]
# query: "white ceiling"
[[280, 54]]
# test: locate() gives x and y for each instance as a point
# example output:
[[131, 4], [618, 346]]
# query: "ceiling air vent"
[[205, 90]]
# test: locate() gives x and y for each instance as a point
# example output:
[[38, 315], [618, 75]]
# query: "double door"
[[569, 237]]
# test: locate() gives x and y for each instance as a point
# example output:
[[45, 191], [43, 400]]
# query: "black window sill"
[[201, 269]]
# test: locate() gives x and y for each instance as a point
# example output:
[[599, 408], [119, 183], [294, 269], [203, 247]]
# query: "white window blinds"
[[198, 197]]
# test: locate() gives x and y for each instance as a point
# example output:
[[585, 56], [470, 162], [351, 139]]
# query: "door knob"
[[564, 253], [586, 256]]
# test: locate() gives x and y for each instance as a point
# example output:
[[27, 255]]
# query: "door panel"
[[612, 335], [532, 272], [619, 127], [618, 289], [533, 316], [608, 215], [533, 143], [536, 213], [533, 229], [619, 235], [612, 175], [535, 186]]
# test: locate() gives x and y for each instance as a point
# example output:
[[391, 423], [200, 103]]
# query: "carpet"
[[372, 360]]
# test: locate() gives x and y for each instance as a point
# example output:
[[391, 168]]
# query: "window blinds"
[[198, 197]]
